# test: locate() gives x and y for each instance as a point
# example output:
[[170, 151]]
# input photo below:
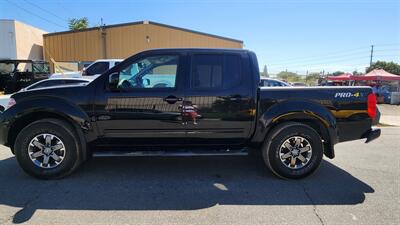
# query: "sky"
[[299, 36]]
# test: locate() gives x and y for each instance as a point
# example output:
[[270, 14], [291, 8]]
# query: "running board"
[[187, 153]]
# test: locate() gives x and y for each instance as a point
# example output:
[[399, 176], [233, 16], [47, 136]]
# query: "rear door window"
[[212, 71]]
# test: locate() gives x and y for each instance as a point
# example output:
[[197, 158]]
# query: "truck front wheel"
[[47, 149], [293, 150]]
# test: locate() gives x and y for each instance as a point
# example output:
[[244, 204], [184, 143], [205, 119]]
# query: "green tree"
[[337, 73], [312, 78], [289, 76], [390, 67], [78, 24]]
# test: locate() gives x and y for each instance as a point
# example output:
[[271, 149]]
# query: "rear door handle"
[[172, 99]]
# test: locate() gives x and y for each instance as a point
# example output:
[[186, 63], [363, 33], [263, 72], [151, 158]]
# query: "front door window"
[[150, 72]]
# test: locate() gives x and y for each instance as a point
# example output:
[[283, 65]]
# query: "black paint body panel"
[[234, 117]]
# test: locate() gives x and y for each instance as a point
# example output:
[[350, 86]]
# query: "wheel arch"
[[309, 113], [27, 112]]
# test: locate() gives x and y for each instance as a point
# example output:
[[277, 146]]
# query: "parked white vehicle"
[[4, 99], [92, 71]]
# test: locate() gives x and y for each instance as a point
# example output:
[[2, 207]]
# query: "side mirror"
[[113, 81], [146, 82], [84, 71]]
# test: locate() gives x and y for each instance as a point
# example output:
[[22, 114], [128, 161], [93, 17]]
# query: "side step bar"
[[187, 153]]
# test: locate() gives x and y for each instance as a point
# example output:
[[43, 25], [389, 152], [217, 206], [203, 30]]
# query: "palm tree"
[[78, 24]]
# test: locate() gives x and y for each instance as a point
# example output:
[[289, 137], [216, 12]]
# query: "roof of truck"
[[197, 50], [109, 60]]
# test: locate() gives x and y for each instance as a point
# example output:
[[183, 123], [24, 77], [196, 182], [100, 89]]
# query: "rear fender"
[[298, 111]]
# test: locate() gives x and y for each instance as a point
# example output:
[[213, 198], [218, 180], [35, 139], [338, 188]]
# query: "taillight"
[[371, 105], [11, 102]]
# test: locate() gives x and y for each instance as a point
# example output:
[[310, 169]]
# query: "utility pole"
[[265, 71], [103, 37], [306, 75], [372, 54]]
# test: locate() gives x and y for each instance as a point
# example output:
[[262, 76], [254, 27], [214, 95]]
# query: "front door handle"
[[237, 98], [172, 99]]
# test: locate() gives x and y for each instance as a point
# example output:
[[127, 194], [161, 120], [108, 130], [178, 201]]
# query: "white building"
[[20, 41]]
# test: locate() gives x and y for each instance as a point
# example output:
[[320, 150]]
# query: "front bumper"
[[372, 134]]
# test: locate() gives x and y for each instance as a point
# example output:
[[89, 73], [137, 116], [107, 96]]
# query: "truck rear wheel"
[[47, 148], [293, 150]]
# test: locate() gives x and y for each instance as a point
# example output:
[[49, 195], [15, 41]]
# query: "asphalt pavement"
[[359, 186]]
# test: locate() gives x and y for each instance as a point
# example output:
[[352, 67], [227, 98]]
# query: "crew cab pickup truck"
[[209, 103]]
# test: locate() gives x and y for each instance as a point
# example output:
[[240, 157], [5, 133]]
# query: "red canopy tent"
[[378, 74], [341, 77]]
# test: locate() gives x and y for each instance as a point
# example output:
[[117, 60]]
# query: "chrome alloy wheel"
[[46, 151], [295, 152]]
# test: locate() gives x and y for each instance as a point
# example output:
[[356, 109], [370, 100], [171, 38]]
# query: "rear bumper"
[[353, 130], [372, 134], [3, 130]]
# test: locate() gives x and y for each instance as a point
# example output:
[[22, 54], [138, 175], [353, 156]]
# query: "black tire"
[[64, 132], [276, 138]]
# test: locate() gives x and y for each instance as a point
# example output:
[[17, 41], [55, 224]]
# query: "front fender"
[[54, 105], [46, 105], [297, 110]]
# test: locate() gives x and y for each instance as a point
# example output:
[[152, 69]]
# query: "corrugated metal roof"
[[144, 22]]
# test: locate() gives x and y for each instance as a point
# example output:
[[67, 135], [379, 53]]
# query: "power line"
[[392, 55], [386, 50], [44, 19], [324, 59], [320, 67], [390, 44], [329, 53], [330, 59], [317, 63], [336, 57], [326, 63], [45, 10], [337, 54]]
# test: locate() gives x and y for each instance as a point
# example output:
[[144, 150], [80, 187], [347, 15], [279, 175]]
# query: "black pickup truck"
[[184, 102]]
